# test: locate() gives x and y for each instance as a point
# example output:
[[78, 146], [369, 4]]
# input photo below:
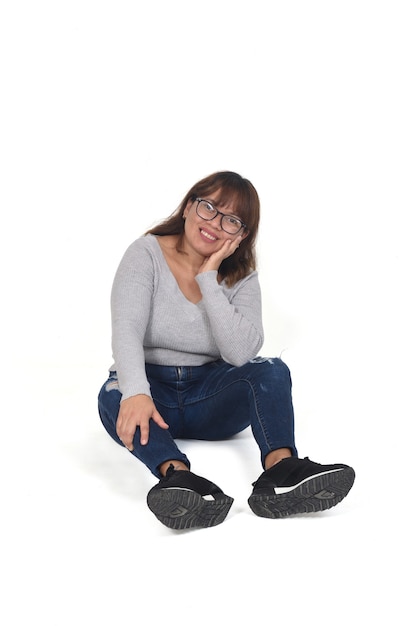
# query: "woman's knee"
[[271, 367], [108, 407]]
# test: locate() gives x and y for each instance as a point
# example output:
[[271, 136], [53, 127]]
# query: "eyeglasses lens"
[[231, 225]]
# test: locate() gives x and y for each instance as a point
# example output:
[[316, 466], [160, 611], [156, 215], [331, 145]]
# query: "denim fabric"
[[210, 402]]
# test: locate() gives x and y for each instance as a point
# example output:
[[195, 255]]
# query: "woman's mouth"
[[207, 235]]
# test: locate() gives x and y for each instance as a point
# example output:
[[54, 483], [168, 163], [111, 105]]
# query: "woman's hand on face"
[[137, 411], [214, 261]]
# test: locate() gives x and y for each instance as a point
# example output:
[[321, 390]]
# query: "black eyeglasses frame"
[[223, 215]]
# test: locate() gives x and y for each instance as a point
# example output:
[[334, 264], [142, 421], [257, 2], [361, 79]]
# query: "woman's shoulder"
[[143, 245], [144, 242], [141, 252]]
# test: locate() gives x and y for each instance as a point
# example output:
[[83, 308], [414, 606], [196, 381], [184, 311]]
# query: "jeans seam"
[[259, 417]]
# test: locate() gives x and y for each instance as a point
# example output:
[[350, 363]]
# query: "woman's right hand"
[[137, 411]]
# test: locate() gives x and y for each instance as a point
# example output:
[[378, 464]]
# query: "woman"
[[186, 329]]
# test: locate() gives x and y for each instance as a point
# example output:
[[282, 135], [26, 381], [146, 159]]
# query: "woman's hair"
[[238, 194]]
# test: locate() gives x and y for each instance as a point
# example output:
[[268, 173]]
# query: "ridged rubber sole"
[[315, 494], [182, 508]]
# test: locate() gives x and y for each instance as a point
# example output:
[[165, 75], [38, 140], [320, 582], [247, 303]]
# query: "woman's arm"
[[130, 308], [130, 303], [236, 324]]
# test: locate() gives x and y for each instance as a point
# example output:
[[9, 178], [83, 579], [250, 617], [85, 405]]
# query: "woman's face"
[[207, 236]]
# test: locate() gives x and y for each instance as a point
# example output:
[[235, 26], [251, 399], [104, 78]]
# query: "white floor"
[[81, 547]]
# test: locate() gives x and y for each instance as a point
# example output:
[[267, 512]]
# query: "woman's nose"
[[217, 221]]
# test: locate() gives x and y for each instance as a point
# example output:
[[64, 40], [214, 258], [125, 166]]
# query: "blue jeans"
[[210, 402]]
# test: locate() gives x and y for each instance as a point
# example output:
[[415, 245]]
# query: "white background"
[[110, 111]]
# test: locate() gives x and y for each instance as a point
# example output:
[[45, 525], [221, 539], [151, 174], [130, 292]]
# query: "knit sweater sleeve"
[[130, 307], [235, 319]]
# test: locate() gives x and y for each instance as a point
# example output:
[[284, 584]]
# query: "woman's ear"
[[187, 209]]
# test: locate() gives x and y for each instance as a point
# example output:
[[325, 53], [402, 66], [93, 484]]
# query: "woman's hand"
[[214, 261], [137, 411]]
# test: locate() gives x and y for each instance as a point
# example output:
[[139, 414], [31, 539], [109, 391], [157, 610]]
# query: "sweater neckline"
[[171, 274]]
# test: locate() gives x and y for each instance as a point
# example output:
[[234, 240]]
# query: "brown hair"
[[241, 195]]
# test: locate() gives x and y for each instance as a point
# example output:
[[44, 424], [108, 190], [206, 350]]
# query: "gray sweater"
[[153, 322]]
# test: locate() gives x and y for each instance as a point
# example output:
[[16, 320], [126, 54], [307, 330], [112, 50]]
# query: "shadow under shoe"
[[183, 500], [295, 486]]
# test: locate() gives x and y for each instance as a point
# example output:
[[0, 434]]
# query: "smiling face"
[[207, 236]]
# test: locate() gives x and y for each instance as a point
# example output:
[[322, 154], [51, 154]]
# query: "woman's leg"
[[161, 448], [219, 400], [181, 499], [259, 393]]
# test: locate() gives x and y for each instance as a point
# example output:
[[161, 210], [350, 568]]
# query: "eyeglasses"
[[230, 224]]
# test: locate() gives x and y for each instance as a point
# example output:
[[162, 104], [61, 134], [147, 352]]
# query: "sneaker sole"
[[313, 495], [181, 508]]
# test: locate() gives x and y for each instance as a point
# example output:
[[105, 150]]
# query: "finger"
[[119, 427], [128, 440], [129, 443], [224, 251], [238, 241], [125, 436], [230, 246], [158, 419], [144, 434]]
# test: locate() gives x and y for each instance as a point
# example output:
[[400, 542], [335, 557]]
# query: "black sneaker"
[[182, 499], [299, 486]]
